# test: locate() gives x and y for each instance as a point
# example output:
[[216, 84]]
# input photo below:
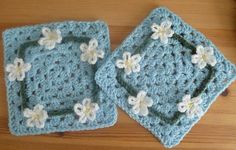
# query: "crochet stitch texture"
[[166, 74], [58, 79]]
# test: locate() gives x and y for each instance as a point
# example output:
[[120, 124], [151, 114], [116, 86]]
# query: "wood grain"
[[214, 18]]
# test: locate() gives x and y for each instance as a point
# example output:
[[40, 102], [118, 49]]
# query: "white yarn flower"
[[204, 56], [162, 32], [86, 111], [17, 70], [50, 38], [140, 103], [129, 63], [36, 117], [90, 52], [190, 106]]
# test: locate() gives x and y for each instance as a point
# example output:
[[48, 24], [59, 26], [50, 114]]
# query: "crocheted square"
[[50, 71], [154, 73]]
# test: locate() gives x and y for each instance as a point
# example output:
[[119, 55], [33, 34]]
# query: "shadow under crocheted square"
[[166, 75], [58, 79]]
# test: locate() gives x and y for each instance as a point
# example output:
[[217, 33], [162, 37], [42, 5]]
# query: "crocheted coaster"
[[50, 71], [154, 73]]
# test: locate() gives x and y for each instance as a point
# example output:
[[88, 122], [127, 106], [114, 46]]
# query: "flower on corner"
[[129, 63], [50, 38], [204, 56], [90, 52], [17, 70], [140, 103], [190, 106], [86, 111], [162, 32], [36, 117]]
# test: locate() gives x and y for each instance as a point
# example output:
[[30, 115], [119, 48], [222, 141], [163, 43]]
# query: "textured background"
[[214, 18]]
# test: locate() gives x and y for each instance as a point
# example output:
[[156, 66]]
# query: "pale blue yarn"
[[57, 79], [167, 74]]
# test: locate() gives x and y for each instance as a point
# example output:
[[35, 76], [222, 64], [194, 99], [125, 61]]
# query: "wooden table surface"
[[214, 18]]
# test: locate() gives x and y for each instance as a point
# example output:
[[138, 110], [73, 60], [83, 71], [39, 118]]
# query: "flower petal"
[[50, 45], [100, 53], [198, 111], [126, 56], [20, 76], [141, 94], [164, 39], [18, 62], [166, 24], [155, 36], [190, 113], [82, 119], [83, 47], [136, 68], [78, 109], [136, 58], [148, 101], [86, 101], [46, 31], [59, 38], [94, 106], [155, 27], [195, 59], [30, 122], [93, 43], [10, 68], [120, 63], [169, 33], [12, 76], [93, 59], [143, 111], [27, 113], [200, 50], [38, 107], [135, 109], [132, 100], [186, 98], [182, 107], [128, 70], [92, 116], [40, 123], [211, 60], [201, 64], [197, 100], [209, 50], [27, 67]]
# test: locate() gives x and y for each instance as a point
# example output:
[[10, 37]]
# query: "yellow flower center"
[[52, 36], [87, 111], [18, 69], [36, 117], [190, 105], [128, 63], [204, 57]]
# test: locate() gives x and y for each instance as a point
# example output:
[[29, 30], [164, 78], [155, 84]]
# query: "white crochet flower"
[[162, 32], [90, 52], [129, 63], [190, 106], [86, 110], [17, 70], [36, 117], [140, 103], [204, 56], [50, 38]]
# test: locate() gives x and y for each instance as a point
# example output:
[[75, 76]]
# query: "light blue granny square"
[[58, 79], [166, 75]]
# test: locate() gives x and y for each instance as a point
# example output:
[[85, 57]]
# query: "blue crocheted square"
[[157, 68], [57, 79]]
